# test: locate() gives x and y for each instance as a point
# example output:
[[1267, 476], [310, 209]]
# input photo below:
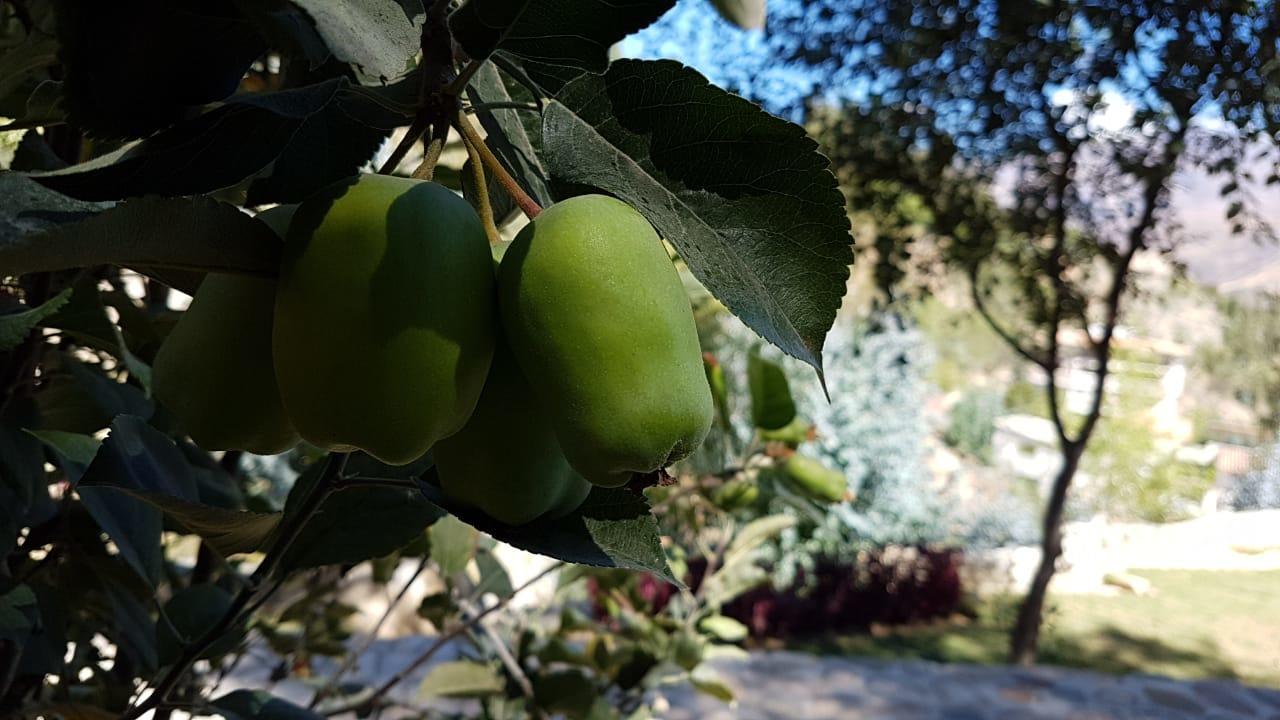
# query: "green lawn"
[[1196, 624]]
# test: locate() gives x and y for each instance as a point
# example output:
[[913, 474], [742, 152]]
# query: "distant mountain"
[[1216, 257]]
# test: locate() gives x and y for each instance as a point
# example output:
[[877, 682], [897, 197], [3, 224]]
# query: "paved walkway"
[[792, 686]]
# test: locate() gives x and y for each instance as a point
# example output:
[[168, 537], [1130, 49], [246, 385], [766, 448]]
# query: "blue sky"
[[747, 62]]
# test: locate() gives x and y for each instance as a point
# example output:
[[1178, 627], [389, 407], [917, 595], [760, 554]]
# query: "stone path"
[[793, 686]]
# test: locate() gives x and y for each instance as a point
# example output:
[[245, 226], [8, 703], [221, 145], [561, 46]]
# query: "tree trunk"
[[1026, 633]]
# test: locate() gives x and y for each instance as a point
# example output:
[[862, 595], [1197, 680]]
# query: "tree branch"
[[353, 658], [1004, 334], [435, 647], [334, 465]]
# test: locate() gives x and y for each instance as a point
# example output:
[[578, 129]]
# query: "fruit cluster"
[[575, 362]]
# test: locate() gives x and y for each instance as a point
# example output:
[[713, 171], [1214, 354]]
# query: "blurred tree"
[[1043, 139], [1040, 137]]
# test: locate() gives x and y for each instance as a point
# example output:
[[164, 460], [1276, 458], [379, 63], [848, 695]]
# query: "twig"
[[419, 126], [353, 658], [31, 123], [431, 156], [426, 655], [527, 204], [503, 105], [999, 329], [289, 532], [459, 83], [508, 660], [481, 183]]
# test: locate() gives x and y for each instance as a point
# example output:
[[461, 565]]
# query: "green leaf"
[[134, 457], [74, 451], [612, 528], [744, 196], [377, 38], [198, 234], [356, 524], [493, 576], [460, 678], [188, 614], [15, 607], [79, 397], [772, 406], [756, 533], [568, 33], [260, 705], [209, 152], [722, 628], [228, 532], [746, 14], [190, 54], [453, 543]]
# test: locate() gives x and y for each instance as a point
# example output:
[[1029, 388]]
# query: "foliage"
[[1243, 366], [140, 167], [1134, 477], [971, 424], [1259, 488]]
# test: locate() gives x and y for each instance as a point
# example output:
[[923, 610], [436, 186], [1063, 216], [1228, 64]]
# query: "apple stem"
[[482, 193], [527, 205]]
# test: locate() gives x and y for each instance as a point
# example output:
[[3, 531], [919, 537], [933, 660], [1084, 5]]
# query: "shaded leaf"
[[14, 327], [260, 705], [190, 54], [460, 678], [612, 528], [570, 33], [356, 524], [209, 152], [744, 196], [227, 531], [131, 624], [21, 461], [134, 457], [16, 606], [196, 234], [332, 144], [188, 614], [506, 134], [78, 397], [74, 451], [377, 38], [27, 208]]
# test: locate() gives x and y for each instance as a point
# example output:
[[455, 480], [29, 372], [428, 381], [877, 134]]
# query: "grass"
[[1196, 624]]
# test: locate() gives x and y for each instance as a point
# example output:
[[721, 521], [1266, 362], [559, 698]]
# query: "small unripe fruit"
[[600, 323], [214, 371], [815, 480], [383, 317], [506, 460]]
